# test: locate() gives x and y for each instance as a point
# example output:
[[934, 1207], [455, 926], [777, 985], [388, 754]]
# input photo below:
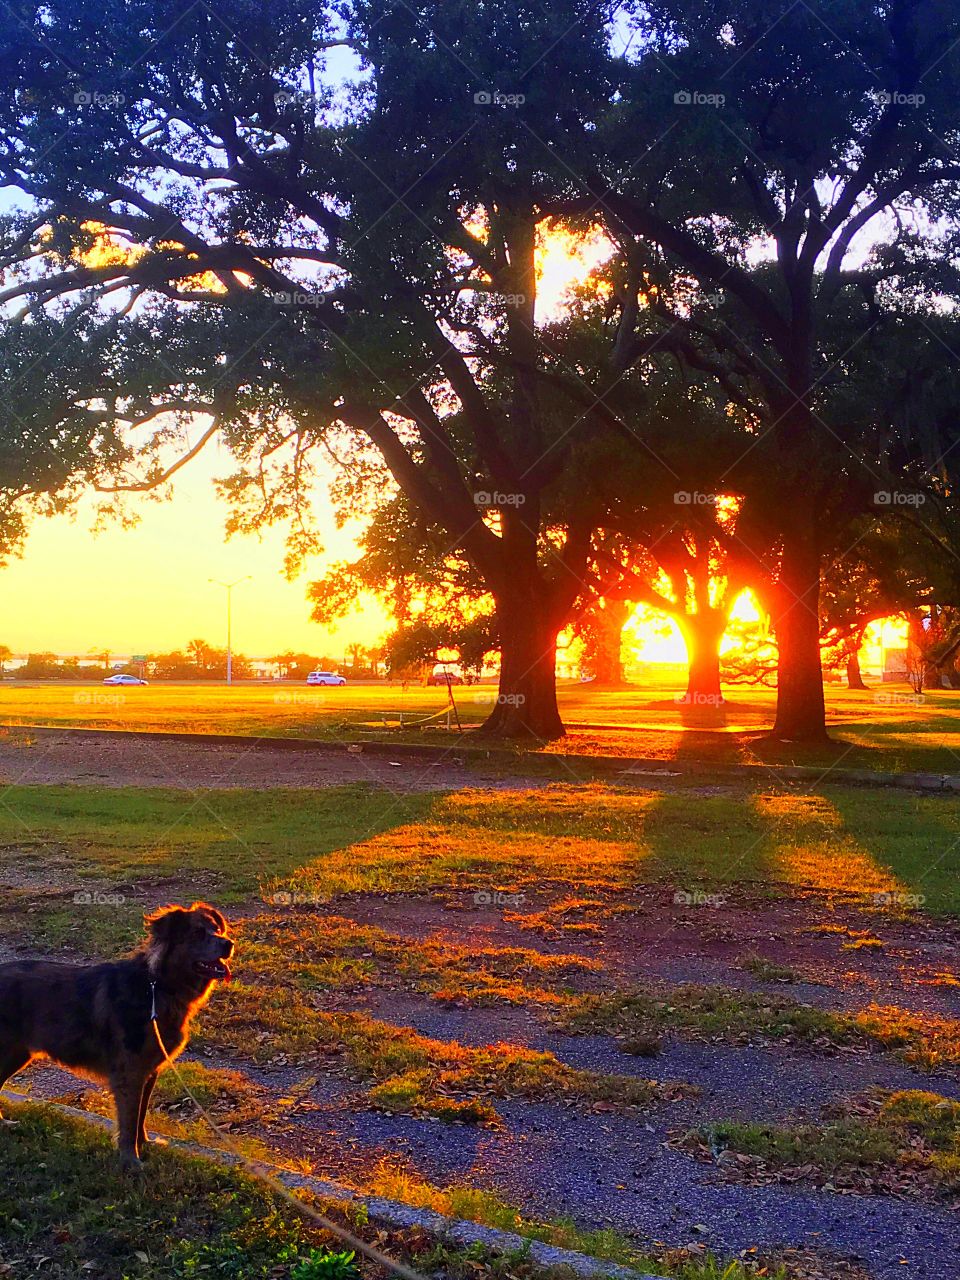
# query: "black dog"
[[96, 1018]]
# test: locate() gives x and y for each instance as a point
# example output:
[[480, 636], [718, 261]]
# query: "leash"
[[308, 1211]]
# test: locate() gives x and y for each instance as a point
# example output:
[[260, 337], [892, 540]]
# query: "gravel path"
[[136, 760], [554, 1160], [615, 1170]]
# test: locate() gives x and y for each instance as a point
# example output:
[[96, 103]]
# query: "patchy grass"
[[278, 1025], [765, 970], [45, 921], [230, 1096], [923, 1040], [238, 1104], [891, 1143], [336, 953], [711, 1012], [416, 1093]]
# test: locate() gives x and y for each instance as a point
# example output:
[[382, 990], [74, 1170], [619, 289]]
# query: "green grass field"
[[886, 727], [240, 843]]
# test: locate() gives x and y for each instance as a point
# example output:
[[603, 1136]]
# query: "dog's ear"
[[167, 923], [212, 912]]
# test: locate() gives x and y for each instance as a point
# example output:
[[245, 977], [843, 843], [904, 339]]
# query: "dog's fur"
[[96, 1018]]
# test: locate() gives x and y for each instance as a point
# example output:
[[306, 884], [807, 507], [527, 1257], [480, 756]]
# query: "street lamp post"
[[228, 586]]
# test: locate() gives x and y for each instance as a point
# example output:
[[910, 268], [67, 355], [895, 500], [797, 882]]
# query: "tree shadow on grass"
[[237, 840], [915, 838], [696, 839], [880, 847]]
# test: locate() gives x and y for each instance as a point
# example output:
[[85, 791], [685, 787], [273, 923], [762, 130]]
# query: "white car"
[[325, 677], [120, 678]]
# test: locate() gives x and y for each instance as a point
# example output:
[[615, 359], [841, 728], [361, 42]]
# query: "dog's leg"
[[148, 1084], [11, 1060], [127, 1091]]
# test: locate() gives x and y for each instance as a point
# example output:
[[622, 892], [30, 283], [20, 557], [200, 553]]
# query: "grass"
[[65, 1206], [343, 955], [765, 970], [575, 855], [406, 1071], [234, 839], [880, 728], [928, 1041], [63, 1200], [903, 1142], [232, 1098], [883, 848], [282, 949]]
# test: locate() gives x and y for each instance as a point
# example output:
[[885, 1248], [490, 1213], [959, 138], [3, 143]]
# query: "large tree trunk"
[[854, 674], [606, 660], [527, 699], [801, 713], [702, 633]]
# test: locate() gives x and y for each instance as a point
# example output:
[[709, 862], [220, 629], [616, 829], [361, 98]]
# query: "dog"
[[96, 1019]]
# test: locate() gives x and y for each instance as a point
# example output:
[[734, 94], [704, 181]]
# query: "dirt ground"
[[132, 760]]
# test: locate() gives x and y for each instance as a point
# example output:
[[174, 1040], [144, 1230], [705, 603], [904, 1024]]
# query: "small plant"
[[767, 971], [907, 1142], [326, 1266], [641, 1046]]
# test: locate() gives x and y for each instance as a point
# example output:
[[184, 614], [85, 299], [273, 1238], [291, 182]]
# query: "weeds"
[[905, 1143], [708, 1012], [412, 1072], [335, 953]]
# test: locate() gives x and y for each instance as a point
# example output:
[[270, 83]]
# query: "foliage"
[[200, 662], [326, 1266]]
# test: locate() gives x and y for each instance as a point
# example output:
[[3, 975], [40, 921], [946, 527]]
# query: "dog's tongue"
[[226, 976]]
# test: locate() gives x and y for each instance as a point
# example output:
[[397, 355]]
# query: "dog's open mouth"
[[218, 969]]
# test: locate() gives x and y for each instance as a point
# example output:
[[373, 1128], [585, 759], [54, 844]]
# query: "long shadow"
[[916, 838], [696, 839], [234, 839]]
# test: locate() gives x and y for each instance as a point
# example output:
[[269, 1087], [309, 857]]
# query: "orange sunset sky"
[[146, 589]]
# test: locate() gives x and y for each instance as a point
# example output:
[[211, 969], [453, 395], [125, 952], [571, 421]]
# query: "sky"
[[147, 589]]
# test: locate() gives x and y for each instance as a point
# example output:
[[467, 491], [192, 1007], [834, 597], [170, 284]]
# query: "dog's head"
[[188, 947]]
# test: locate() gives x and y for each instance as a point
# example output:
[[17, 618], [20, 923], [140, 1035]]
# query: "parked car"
[[325, 677], [445, 675], [120, 678]]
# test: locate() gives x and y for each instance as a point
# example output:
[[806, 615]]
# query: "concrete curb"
[[604, 766], [391, 1213]]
